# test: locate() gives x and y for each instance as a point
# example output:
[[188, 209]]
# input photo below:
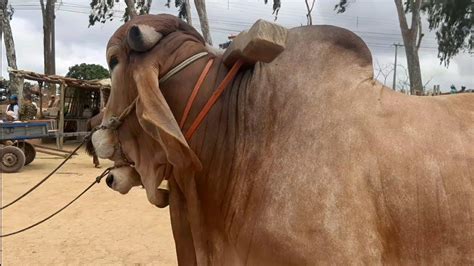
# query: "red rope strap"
[[213, 99], [205, 110], [193, 95]]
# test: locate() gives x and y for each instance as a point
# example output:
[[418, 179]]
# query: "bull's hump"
[[338, 37]]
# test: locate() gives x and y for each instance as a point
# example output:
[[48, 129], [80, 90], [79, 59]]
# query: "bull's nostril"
[[109, 180]]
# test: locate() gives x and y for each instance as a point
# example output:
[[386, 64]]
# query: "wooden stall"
[[78, 100]]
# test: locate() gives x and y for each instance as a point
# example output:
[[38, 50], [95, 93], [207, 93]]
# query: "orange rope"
[[194, 93], [213, 99]]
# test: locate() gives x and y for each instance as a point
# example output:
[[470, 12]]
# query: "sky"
[[375, 21]]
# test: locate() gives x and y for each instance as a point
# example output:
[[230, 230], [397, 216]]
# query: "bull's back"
[[422, 163], [339, 176], [306, 203]]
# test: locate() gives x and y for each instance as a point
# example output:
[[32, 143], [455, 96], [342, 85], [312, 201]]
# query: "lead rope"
[[96, 181], [86, 138]]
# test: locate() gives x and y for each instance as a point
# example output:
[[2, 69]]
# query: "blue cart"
[[15, 152]]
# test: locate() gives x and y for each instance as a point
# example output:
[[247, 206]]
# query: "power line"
[[232, 26]]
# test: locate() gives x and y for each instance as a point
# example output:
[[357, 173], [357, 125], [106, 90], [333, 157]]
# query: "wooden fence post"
[[60, 138], [40, 87]]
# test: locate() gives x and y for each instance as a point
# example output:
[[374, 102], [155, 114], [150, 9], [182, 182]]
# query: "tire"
[[28, 150], [12, 159]]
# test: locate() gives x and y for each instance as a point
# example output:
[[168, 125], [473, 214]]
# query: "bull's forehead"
[[163, 23], [118, 37]]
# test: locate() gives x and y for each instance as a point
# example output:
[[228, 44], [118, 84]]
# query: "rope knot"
[[113, 123]]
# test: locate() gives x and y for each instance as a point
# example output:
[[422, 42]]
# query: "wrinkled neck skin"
[[214, 143]]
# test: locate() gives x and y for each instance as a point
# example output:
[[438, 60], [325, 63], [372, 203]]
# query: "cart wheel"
[[12, 159], [28, 150]]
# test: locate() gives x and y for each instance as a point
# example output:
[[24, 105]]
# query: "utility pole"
[[394, 86]]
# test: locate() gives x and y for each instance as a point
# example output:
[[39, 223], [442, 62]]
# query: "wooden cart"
[[15, 151]]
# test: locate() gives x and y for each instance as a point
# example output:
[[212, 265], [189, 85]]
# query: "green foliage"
[[453, 21], [102, 10], [181, 5], [88, 72], [341, 7], [276, 7]]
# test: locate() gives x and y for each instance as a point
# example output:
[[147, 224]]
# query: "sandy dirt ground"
[[101, 228]]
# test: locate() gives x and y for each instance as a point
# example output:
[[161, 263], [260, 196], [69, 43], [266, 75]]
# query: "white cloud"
[[28, 43], [375, 21]]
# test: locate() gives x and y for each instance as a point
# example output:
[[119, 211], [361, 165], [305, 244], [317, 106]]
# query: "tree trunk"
[[202, 13], [414, 70], [1, 27], [410, 36], [16, 84], [188, 13], [49, 42], [132, 12]]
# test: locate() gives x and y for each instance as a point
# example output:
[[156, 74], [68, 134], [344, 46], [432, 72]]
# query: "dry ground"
[[103, 227]]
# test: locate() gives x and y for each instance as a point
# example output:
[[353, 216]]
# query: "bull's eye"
[[113, 62]]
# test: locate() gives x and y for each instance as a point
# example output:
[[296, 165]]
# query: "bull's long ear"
[[141, 38], [156, 118]]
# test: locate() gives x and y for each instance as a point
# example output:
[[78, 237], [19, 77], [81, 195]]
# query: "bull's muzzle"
[[122, 179]]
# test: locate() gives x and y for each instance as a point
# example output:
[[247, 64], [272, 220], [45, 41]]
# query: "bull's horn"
[[142, 37]]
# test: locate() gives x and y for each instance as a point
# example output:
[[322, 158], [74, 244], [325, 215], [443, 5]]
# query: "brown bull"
[[305, 160]]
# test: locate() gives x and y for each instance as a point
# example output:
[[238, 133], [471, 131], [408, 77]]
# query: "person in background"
[[28, 110], [37, 110], [87, 113], [453, 89], [13, 109], [51, 102]]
